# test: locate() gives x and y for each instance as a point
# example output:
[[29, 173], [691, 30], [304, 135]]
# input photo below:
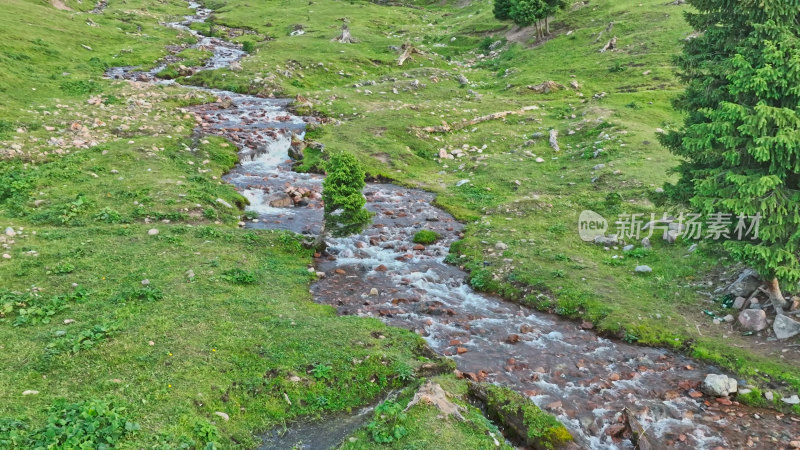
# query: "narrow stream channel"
[[585, 380]]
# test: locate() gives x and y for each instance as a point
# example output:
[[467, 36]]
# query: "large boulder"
[[753, 319], [718, 385], [785, 327], [747, 282]]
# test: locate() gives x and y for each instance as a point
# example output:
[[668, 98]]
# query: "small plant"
[[404, 372], [387, 426], [64, 267], [30, 309], [147, 293], [639, 252], [108, 215], [426, 237], [613, 201], [210, 214], [557, 228], [630, 337], [322, 372], [73, 209], [206, 433], [84, 340], [239, 276], [249, 46], [80, 87], [617, 67]]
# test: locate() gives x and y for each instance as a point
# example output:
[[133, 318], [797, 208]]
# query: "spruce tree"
[[740, 141], [501, 9], [344, 211], [526, 12]]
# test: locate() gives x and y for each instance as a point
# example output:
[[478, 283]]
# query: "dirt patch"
[[60, 5]]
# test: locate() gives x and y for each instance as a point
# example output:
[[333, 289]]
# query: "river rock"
[[643, 269], [785, 327], [718, 385], [10, 232], [280, 201], [501, 246], [747, 282], [627, 248], [646, 243], [739, 302], [32, 392], [608, 241], [793, 400], [152, 231], [753, 319], [224, 416]]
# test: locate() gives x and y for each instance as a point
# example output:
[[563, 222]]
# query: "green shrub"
[[249, 46], [426, 237], [80, 87]]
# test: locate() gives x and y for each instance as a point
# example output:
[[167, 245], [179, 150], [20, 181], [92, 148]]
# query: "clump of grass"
[[426, 237]]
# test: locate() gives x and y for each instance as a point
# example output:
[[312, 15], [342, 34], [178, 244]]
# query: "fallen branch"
[[345, 37], [446, 128], [600, 35], [554, 139], [611, 45], [407, 50], [546, 87]]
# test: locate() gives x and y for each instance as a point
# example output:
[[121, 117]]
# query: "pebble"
[[223, 415], [152, 231], [643, 269], [30, 392], [10, 232]]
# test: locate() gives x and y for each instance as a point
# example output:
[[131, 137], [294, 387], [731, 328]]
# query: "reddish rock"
[[724, 401], [695, 394], [455, 342], [381, 268], [525, 328], [340, 271], [753, 319], [615, 430], [419, 247], [586, 325], [461, 350], [614, 377], [512, 338]]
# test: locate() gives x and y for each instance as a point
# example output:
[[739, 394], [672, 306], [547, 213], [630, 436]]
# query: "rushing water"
[[585, 380]]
